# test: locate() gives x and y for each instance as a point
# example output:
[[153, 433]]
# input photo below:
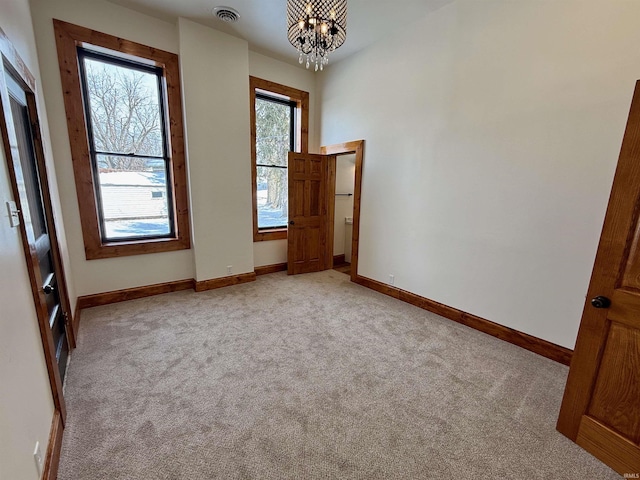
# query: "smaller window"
[[275, 138], [279, 124]]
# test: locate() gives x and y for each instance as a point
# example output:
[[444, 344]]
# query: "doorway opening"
[[346, 178], [343, 212]]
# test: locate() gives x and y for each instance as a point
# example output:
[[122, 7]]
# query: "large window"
[[124, 113], [279, 120], [125, 126]]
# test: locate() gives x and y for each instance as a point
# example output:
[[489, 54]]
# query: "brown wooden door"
[[37, 218], [601, 405], [310, 236]]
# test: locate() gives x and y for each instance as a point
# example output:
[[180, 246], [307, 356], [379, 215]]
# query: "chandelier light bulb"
[[324, 28]]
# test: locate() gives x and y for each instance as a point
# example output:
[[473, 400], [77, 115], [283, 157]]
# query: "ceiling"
[[263, 22]]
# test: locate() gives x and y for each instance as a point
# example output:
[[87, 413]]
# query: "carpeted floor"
[[307, 377]]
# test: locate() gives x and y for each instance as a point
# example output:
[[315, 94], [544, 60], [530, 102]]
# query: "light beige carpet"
[[307, 377]]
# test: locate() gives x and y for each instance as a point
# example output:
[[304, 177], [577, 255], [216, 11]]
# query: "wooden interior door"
[[38, 231], [310, 235], [20, 132], [601, 405]]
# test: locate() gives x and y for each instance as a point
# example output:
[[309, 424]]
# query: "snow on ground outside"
[[270, 217]]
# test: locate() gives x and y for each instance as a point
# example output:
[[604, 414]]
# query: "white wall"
[[215, 76], [26, 404], [115, 273], [272, 252], [493, 130], [345, 183]]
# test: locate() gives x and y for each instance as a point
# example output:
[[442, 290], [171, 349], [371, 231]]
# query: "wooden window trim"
[[68, 37], [302, 144]]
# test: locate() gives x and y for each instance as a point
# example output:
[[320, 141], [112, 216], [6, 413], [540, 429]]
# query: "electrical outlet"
[[37, 456], [229, 268], [392, 279]]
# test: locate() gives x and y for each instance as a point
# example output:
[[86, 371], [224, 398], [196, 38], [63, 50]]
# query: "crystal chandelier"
[[316, 28]]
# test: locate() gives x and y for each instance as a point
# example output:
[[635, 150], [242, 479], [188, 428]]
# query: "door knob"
[[600, 302], [48, 289]]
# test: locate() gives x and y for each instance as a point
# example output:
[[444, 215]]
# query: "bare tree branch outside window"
[[125, 114]]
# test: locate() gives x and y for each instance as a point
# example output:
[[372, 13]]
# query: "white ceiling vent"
[[226, 14]]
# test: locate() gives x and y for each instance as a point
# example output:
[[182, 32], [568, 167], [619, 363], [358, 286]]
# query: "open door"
[[601, 405], [311, 196]]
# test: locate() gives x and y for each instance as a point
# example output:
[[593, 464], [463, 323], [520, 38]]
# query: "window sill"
[[268, 235], [123, 249]]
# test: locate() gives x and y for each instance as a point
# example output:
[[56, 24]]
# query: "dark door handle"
[[48, 289], [292, 222], [600, 302]]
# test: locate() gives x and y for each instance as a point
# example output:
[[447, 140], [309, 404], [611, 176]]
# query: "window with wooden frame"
[[124, 117], [279, 124]]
